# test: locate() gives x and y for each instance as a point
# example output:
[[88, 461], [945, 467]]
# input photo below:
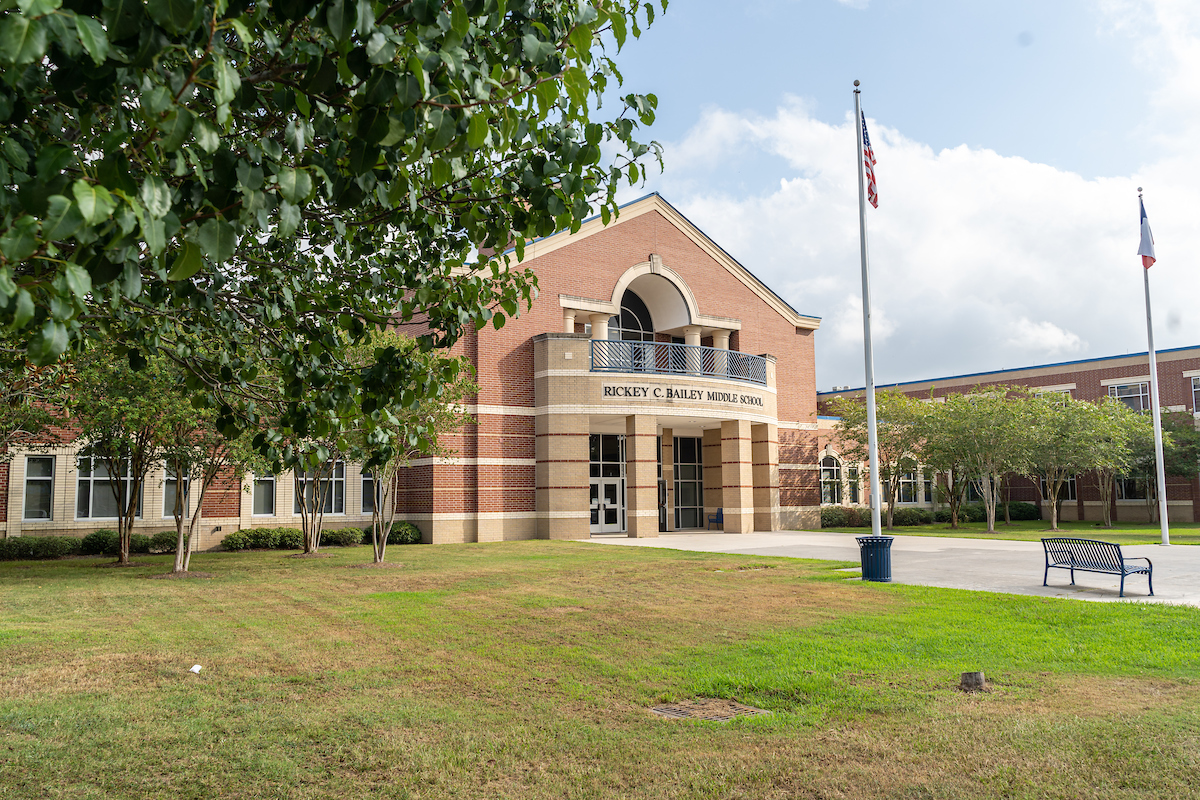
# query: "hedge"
[[845, 517], [401, 533], [342, 537], [264, 539], [39, 548]]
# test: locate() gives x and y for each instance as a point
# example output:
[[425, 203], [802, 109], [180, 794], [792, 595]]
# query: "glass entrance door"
[[608, 506]]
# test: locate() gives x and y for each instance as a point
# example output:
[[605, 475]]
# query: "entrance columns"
[[568, 320], [721, 359], [561, 476], [693, 358], [764, 445], [641, 475], [737, 476], [599, 326]]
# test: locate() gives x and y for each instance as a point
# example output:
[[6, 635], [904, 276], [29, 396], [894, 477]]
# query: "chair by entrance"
[[717, 518]]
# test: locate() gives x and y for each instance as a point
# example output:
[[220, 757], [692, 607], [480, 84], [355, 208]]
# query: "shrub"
[[289, 539], [911, 516], [104, 542], [342, 537], [261, 538], [401, 533], [235, 541], [833, 517], [165, 541], [1022, 511], [404, 533], [139, 543], [941, 515], [38, 548]]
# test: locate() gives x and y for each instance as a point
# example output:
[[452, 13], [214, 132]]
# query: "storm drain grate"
[[707, 708]]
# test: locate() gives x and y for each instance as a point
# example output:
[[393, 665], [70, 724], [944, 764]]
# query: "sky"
[[1010, 137]]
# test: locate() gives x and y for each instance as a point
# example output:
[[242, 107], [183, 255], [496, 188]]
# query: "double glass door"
[[608, 506]]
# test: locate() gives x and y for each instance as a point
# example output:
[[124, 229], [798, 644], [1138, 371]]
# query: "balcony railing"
[[666, 358]]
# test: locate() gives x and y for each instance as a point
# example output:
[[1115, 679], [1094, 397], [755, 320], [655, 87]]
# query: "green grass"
[[524, 670], [1036, 530]]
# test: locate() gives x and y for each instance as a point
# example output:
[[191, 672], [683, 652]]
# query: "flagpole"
[[1155, 411], [872, 436]]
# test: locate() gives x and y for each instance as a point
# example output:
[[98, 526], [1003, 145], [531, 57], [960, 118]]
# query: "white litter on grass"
[[196, 669]]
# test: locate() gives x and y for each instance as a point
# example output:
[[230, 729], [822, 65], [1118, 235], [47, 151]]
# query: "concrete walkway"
[[991, 565]]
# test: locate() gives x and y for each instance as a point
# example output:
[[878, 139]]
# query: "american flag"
[[869, 163], [1146, 249]]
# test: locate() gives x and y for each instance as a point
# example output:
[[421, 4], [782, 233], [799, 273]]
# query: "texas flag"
[[1146, 249]]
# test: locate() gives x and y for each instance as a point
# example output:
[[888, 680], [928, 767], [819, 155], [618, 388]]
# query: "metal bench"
[[1090, 555]]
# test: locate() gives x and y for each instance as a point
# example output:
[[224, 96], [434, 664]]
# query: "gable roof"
[[655, 202]]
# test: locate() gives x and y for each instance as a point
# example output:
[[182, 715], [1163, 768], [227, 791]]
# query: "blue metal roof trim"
[[694, 225], [1016, 369], [819, 416]]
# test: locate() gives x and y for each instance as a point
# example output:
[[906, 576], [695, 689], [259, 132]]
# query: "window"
[[370, 493], [1134, 395], [171, 491], [852, 480], [1067, 492], [1195, 394], [39, 486], [96, 490], [264, 496], [1060, 394], [333, 487], [634, 323], [689, 482], [831, 481], [908, 488], [928, 487], [1131, 489]]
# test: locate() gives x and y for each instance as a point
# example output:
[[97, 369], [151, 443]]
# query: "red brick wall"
[[224, 497], [4, 491]]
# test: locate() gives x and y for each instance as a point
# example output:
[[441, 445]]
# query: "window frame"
[[300, 489], [367, 477], [254, 493], [40, 479], [831, 478], [125, 478], [1069, 489], [187, 489], [1143, 394]]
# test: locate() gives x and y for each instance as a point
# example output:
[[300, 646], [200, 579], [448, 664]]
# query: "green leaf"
[[228, 82], [48, 343], [578, 86], [460, 23], [7, 287], [62, 219], [22, 41], [366, 17], [207, 135], [156, 196], [187, 263], [176, 129], [24, 309], [154, 232], [294, 185], [243, 32], [176, 16], [78, 281], [340, 19], [19, 242], [289, 219], [477, 131], [217, 240], [38, 8], [95, 203]]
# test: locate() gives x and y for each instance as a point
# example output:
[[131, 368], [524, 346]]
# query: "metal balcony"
[[666, 358]]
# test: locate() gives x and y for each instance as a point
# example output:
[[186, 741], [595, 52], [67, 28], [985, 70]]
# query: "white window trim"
[[187, 494], [299, 479], [365, 476], [274, 494], [25, 489]]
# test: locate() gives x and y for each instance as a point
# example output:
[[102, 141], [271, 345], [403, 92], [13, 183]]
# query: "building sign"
[[642, 391]]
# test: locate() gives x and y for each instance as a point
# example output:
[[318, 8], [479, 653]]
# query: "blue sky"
[[1010, 136]]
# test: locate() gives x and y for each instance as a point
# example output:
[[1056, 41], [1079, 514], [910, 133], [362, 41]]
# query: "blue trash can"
[[876, 554]]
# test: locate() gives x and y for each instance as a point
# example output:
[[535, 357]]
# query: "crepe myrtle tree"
[[276, 179]]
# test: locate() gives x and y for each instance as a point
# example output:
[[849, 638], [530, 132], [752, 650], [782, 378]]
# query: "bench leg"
[[1072, 576], [1150, 580], [1122, 594], [1046, 576]]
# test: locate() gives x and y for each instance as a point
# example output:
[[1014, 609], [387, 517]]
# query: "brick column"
[[737, 476], [641, 475], [668, 473], [561, 476], [710, 454], [764, 446]]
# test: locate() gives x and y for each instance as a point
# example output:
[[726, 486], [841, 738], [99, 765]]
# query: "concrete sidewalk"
[[991, 565]]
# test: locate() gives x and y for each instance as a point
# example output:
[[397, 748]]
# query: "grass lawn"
[[1036, 530], [525, 670]]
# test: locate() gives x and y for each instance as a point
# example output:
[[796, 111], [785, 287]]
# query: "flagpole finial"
[[1139, 191], [856, 83]]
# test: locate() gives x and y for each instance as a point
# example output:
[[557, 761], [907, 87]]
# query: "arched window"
[[831, 481], [634, 323]]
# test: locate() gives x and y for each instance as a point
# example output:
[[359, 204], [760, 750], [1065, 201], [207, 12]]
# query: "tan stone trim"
[[500, 411], [1191, 373], [474, 462], [812, 467], [659, 411], [1060, 387], [1122, 381], [797, 426]]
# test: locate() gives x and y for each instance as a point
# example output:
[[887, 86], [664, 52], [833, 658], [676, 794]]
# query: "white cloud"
[[978, 261]]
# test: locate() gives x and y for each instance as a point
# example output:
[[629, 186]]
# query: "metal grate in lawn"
[[707, 708]]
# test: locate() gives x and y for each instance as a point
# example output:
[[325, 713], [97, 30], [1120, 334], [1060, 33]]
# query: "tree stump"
[[972, 682]]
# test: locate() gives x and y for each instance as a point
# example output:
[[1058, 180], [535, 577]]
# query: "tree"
[[1063, 442], [900, 433], [1181, 453], [277, 179], [1112, 451], [122, 414], [411, 430]]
